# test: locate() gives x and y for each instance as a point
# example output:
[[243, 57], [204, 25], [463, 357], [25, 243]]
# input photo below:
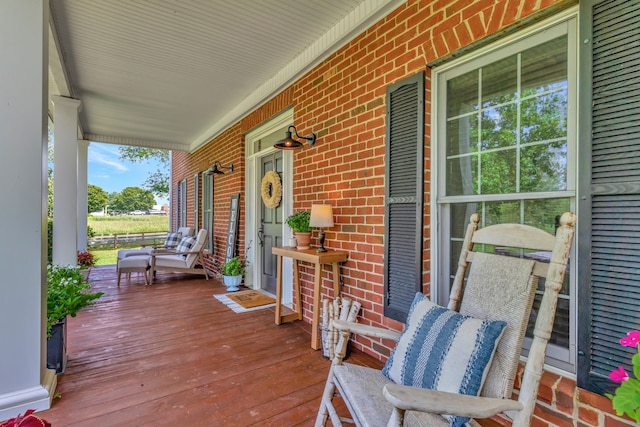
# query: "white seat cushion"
[[171, 261], [141, 262]]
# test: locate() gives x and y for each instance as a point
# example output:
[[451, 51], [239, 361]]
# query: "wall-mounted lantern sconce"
[[288, 143], [217, 169]]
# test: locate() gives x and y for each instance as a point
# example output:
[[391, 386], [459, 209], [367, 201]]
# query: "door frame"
[[253, 182]]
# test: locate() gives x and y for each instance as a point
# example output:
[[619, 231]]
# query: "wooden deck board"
[[172, 354]]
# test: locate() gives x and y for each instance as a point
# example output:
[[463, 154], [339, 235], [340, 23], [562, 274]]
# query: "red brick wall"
[[342, 100], [228, 148]]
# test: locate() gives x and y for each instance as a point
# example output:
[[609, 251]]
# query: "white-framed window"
[[196, 205], [182, 202], [207, 208], [505, 140]]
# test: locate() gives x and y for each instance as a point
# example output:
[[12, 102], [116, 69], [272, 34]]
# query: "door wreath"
[[271, 189]]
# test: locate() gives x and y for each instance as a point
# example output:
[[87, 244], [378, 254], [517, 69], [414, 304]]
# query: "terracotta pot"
[[303, 241]]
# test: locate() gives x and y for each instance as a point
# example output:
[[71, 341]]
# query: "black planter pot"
[[57, 347]]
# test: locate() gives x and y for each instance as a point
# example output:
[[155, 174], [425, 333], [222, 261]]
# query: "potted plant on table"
[[67, 293], [232, 272], [299, 223]]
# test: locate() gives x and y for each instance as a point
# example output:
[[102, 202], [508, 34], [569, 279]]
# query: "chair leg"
[[119, 273], [326, 405]]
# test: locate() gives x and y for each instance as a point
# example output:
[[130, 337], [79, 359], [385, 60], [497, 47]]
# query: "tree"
[[157, 182], [131, 199], [97, 198]]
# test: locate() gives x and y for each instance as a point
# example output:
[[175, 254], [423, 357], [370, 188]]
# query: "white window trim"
[[207, 207], [567, 360], [182, 222]]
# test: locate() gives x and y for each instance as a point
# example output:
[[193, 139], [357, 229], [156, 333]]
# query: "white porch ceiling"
[[173, 74]]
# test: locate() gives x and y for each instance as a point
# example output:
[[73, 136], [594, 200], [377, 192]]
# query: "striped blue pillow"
[[443, 350]]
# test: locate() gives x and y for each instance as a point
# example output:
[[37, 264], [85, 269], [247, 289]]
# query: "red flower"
[[28, 420]]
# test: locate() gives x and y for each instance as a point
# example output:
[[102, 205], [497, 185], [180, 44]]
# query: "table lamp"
[[321, 216]]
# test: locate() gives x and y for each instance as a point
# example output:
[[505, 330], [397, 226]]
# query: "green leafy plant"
[[234, 267], [67, 293], [626, 398], [299, 222]]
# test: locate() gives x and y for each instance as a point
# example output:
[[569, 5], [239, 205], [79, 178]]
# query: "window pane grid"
[[505, 151]]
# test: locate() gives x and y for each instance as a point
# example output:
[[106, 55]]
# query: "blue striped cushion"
[[443, 350]]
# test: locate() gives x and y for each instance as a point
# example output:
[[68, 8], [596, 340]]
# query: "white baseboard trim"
[[37, 398]]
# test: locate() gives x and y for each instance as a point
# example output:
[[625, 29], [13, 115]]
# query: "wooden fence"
[[127, 240]]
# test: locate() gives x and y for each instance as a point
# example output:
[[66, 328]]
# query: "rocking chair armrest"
[[371, 331], [440, 402]]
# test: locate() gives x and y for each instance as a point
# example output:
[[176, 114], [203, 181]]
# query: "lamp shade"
[[321, 216]]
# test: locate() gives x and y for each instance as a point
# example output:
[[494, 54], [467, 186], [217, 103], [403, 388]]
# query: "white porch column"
[[24, 381], [65, 180], [83, 200]]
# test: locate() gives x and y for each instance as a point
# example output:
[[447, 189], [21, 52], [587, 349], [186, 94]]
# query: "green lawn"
[[128, 223], [124, 224], [105, 256]]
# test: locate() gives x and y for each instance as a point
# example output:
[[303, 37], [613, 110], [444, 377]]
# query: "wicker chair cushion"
[[512, 287]]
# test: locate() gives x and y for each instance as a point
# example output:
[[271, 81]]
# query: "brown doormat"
[[249, 299]]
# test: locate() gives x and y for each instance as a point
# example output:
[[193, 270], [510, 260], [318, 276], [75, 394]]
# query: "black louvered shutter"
[[609, 275], [404, 191]]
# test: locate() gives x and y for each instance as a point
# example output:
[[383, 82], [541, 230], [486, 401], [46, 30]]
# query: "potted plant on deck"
[[232, 272], [86, 260], [67, 293], [299, 223]]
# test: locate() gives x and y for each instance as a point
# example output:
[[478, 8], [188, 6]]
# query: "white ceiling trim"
[[138, 142], [362, 17]]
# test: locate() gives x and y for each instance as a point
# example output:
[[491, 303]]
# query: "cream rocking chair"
[[499, 287]]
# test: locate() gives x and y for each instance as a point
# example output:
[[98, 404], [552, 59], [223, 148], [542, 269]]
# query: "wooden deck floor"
[[172, 354]]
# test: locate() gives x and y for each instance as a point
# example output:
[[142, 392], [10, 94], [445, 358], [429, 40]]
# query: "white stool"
[[139, 263]]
